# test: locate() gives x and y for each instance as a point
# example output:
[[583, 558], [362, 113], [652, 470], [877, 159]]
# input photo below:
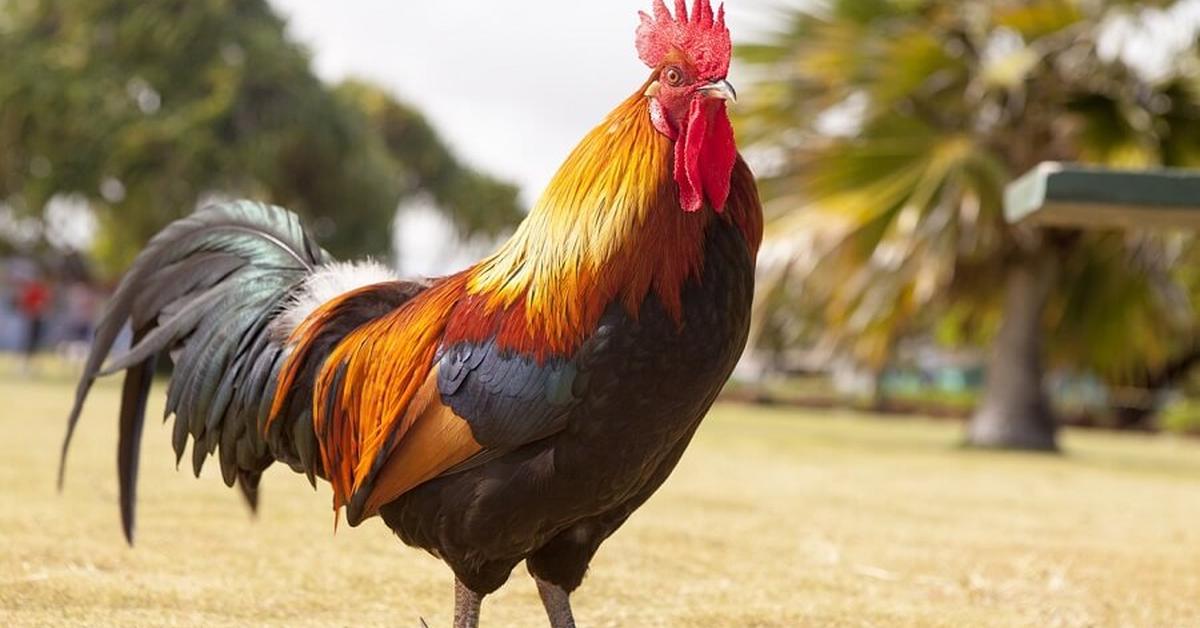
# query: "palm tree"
[[891, 127]]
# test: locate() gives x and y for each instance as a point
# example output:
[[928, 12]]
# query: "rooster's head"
[[687, 92]]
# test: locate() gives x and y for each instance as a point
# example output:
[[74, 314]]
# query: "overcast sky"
[[511, 85]]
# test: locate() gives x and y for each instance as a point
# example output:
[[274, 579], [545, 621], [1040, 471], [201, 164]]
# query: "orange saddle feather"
[[377, 415], [436, 440]]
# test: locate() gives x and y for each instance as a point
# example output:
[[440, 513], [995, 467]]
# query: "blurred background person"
[[33, 302]]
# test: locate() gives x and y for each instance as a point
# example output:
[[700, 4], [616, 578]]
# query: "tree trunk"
[[876, 397], [1015, 412]]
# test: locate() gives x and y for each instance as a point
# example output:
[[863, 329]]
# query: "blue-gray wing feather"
[[509, 399]]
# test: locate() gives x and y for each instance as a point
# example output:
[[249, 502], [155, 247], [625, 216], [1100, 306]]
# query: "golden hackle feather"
[[608, 227]]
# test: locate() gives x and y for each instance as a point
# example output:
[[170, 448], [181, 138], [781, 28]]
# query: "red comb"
[[703, 38]]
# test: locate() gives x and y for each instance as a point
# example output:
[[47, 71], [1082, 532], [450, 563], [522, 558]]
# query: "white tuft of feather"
[[323, 285]]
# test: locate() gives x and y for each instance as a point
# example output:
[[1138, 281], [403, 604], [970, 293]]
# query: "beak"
[[720, 89]]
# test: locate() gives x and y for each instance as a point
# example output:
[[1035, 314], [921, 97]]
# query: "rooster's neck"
[[608, 228]]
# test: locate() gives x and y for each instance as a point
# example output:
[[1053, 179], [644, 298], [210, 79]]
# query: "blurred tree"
[[145, 108], [478, 203], [891, 128]]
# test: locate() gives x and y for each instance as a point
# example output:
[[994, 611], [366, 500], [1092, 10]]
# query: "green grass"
[[774, 518]]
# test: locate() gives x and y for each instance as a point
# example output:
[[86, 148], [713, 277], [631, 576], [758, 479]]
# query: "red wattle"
[[687, 159], [717, 155], [704, 156]]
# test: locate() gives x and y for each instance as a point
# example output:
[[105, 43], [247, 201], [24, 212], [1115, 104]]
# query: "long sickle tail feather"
[[205, 289]]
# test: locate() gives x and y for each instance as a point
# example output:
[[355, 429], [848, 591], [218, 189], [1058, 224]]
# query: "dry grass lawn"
[[774, 518]]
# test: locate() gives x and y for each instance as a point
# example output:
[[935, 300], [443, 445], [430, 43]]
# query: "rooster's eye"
[[673, 76]]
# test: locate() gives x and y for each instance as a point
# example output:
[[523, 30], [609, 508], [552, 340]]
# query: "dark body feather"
[[622, 410]]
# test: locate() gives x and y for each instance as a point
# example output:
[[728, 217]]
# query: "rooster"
[[519, 410]]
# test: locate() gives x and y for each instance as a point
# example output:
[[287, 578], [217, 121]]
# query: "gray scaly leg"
[[466, 606], [557, 603]]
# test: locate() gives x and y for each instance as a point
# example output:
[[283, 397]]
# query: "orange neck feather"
[[608, 228]]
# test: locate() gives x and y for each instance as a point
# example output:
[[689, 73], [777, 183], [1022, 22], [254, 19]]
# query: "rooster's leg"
[[558, 604], [466, 606]]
